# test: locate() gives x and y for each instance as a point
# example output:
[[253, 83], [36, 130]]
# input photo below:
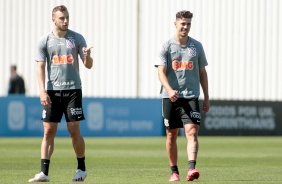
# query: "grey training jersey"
[[61, 55], [183, 64]]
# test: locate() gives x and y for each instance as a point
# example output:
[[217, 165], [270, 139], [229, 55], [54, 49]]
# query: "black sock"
[[191, 164], [45, 166], [81, 163], [174, 169]]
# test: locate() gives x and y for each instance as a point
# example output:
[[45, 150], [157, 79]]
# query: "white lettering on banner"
[[16, 115], [118, 111], [244, 118], [222, 111], [218, 123], [34, 124], [142, 125], [117, 125], [95, 116], [247, 111], [62, 127], [126, 125], [265, 112]]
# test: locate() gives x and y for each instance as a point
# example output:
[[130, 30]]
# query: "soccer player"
[[59, 51], [181, 65]]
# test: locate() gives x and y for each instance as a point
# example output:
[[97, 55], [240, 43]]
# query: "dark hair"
[[14, 67], [184, 14], [60, 8]]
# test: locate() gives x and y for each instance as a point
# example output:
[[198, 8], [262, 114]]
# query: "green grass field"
[[222, 160]]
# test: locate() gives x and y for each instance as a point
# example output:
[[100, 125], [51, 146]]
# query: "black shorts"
[[183, 111], [67, 102]]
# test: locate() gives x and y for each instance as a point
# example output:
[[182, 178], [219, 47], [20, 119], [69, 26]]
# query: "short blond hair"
[[60, 8]]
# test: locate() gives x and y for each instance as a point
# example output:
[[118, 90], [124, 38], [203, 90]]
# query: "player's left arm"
[[87, 60], [205, 87]]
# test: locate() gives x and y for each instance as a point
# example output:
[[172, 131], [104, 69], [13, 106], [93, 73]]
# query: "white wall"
[[241, 38]]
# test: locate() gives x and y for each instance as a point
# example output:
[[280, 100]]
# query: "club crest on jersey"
[[70, 43], [192, 52]]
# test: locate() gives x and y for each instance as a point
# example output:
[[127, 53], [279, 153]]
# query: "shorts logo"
[[195, 114], [44, 114], [166, 122], [70, 43], [76, 111]]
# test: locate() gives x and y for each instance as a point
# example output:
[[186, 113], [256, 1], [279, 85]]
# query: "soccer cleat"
[[174, 177], [40, 177], [192, 174], [79, 176]]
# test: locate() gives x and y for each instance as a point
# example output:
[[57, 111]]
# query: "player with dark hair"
[[59, 51], [181, 65]]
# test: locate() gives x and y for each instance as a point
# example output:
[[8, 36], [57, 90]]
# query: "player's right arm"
[[161, 63], [173, 95], [44, 97]]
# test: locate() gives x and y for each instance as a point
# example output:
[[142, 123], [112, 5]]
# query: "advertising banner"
[[242, 118], [21, 116]]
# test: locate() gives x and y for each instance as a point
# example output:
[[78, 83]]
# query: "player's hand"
[[206, 105], [173, 95], [87, 51], [45, 100]]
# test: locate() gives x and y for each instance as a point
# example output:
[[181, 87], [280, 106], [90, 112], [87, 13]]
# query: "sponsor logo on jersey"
[[186, 92], [192, 52], [64, 83], [70, 43], [182, 65], [62, 59]]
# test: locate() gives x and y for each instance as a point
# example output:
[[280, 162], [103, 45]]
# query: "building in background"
[[241, 38]]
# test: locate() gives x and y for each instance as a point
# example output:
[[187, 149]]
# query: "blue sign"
[[103, 117]]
